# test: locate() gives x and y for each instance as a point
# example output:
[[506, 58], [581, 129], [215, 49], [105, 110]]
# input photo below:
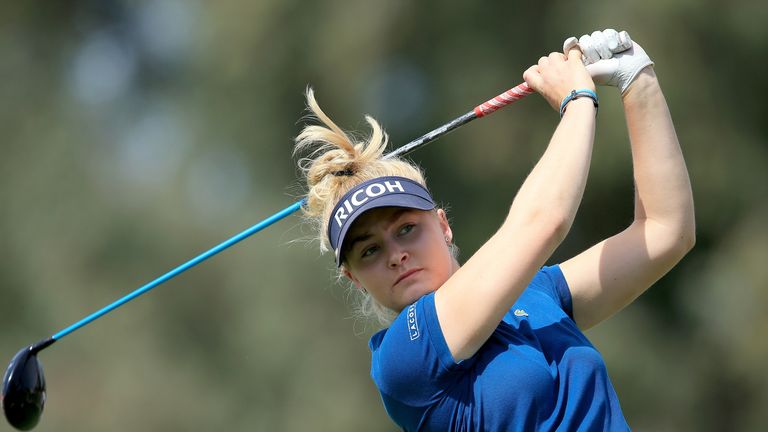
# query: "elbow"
[[682, 241], [555, 225], [682, 245], [687, 236], [674, 236], [550, 227], [666, 244], [688, 239], [560, 227]]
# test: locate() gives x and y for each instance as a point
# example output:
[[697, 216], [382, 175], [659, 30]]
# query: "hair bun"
[[335, 163], [346, 172]]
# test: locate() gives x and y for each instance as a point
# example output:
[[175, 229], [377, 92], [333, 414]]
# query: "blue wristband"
[[575, 94]]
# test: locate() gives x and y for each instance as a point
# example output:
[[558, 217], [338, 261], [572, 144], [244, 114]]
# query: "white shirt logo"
[[521, 313], [413, 323]]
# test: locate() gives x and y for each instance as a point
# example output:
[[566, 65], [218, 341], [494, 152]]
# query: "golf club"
[[24, 392]]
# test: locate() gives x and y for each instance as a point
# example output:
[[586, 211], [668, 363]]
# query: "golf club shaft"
[[500, 101], [514, 94]]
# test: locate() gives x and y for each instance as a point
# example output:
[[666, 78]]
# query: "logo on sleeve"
[[413, 322], [521, 313]]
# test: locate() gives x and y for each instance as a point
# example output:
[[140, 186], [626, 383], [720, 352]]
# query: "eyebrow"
[[358, 239], [366, 235]]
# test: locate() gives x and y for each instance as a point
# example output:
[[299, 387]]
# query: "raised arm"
[[613, 273], [473, 301]]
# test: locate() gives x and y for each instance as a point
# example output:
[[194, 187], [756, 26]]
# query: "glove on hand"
[[606, 61]]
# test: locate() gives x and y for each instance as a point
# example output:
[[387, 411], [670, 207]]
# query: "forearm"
[[539, 217], [553, 190], [538, 220], [662, 187]]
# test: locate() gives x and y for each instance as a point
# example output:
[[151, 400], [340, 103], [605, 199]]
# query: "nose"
[[397, 258]]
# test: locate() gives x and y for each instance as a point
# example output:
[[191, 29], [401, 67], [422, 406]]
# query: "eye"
[[406, 229], [369, 251]]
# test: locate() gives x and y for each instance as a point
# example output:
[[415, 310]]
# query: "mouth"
[[406, 275]]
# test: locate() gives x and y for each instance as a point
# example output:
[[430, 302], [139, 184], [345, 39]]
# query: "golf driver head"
[[23, 394]]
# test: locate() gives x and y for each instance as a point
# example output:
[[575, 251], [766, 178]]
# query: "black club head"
[[23, 396]]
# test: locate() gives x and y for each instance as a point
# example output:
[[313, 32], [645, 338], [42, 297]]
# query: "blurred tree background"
[[137, 134]]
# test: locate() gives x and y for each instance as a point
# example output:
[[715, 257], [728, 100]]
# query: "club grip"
[[514, 94]]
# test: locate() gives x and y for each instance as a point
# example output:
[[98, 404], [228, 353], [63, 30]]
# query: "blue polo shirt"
[[537, 371]]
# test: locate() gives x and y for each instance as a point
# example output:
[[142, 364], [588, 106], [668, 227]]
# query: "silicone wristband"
[[575, 94]]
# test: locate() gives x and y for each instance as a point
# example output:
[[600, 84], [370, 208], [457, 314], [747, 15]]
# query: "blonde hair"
[[335, 164]]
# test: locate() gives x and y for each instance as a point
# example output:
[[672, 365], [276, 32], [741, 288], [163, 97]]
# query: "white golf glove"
[[611, 57]]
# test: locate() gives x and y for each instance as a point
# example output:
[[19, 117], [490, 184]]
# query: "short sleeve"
[[411, 362], [551, 281]]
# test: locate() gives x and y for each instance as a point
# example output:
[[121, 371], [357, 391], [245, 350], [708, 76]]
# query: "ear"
[[444, 225], [353, 279]]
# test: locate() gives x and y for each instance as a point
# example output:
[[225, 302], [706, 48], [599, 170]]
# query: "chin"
[[416, 292]]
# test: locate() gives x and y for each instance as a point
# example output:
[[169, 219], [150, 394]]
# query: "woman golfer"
[[496, 344]]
